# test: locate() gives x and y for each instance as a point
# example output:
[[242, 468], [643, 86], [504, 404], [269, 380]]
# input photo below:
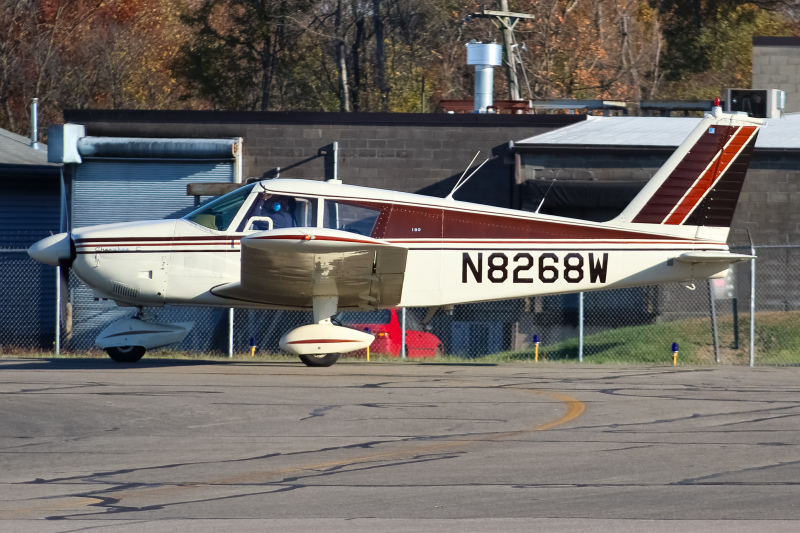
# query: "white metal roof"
[[16, 150], [783, 133]]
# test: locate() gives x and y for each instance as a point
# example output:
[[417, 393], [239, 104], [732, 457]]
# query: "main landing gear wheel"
[[126, 354], [320, 360]]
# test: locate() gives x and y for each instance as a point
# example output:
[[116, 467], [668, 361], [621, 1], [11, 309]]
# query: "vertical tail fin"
[[699, 185]]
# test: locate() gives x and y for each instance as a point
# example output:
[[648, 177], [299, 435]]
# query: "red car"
[[385, 325]]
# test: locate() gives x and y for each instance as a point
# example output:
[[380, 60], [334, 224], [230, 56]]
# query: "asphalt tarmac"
[[202, 446]]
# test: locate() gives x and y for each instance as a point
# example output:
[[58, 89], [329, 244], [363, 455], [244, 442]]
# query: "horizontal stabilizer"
[[713, 257]]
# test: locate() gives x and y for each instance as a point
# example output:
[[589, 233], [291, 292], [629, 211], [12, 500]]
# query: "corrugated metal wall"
[[107, 191], [29, 210]]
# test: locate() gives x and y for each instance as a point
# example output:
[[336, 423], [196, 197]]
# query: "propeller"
[[56, 250]]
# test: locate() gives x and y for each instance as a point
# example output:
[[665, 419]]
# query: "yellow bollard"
[[367, 354], [252, 351], [536, 348], [674, 354]]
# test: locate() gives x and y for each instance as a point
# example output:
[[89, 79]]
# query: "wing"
[[288, 267]]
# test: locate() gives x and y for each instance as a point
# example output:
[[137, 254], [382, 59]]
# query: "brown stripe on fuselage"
[[321, 341], [306, 238], [399, 221], [693, 164], [164, 239]]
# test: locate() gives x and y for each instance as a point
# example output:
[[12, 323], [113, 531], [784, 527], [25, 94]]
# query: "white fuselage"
[[178, 262]]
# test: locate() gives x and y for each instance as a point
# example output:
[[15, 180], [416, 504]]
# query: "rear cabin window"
[[347, 217]]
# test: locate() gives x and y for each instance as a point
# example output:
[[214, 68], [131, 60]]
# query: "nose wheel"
[[126, 354]]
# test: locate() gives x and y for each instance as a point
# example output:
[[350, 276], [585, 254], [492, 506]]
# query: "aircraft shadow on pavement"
[[92, 363], [88, 363]]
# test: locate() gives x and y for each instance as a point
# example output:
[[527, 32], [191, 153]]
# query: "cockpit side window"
[[220, 213], [274, 211]]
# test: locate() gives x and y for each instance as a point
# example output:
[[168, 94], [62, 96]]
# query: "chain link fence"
[[27, 296], [710, 321]]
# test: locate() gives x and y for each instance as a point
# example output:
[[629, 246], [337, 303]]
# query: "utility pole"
[[505, 20], [509, 58]]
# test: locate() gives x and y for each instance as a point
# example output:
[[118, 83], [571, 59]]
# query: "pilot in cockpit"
[[278, 208]]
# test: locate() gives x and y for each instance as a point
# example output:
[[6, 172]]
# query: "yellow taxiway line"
[[574, 409]]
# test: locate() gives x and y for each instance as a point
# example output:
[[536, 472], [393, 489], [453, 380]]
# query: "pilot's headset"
[[275, 205]]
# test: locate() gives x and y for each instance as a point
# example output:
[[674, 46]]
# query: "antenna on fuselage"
[[545, 195], [461, 181]]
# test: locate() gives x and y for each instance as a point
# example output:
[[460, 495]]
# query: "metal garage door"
[[146, 181], [125, 191]]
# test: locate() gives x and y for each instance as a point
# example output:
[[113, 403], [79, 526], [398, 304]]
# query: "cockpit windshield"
[[219, 213]]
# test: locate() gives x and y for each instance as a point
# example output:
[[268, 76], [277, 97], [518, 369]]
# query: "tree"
[[85, 53], [31, 52], [238, 46], [708, 42]]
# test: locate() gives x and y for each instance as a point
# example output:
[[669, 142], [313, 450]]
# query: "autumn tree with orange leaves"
[[86, 53], [364, 55]]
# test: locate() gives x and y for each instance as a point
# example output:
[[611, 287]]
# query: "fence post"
[[752, 302], [735, 303], [230, 332], [713, 309], [58, 310], [63, 225], [403, 333], [580, 327]]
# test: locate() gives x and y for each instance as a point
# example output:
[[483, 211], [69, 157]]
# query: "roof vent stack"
[[485, 57], [35, 123]]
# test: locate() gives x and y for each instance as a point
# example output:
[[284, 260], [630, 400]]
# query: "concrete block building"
[[410, 152], [622, 153], [776, 65]]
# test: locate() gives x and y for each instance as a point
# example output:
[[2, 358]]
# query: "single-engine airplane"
[[327, 246]]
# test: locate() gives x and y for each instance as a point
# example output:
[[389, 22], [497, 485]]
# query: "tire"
[[126, 354], [320, 360]]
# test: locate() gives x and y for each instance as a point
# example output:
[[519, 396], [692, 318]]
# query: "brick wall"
[[405, 152]]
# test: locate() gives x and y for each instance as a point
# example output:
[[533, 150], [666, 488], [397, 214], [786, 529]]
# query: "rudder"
[[700, 183]]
